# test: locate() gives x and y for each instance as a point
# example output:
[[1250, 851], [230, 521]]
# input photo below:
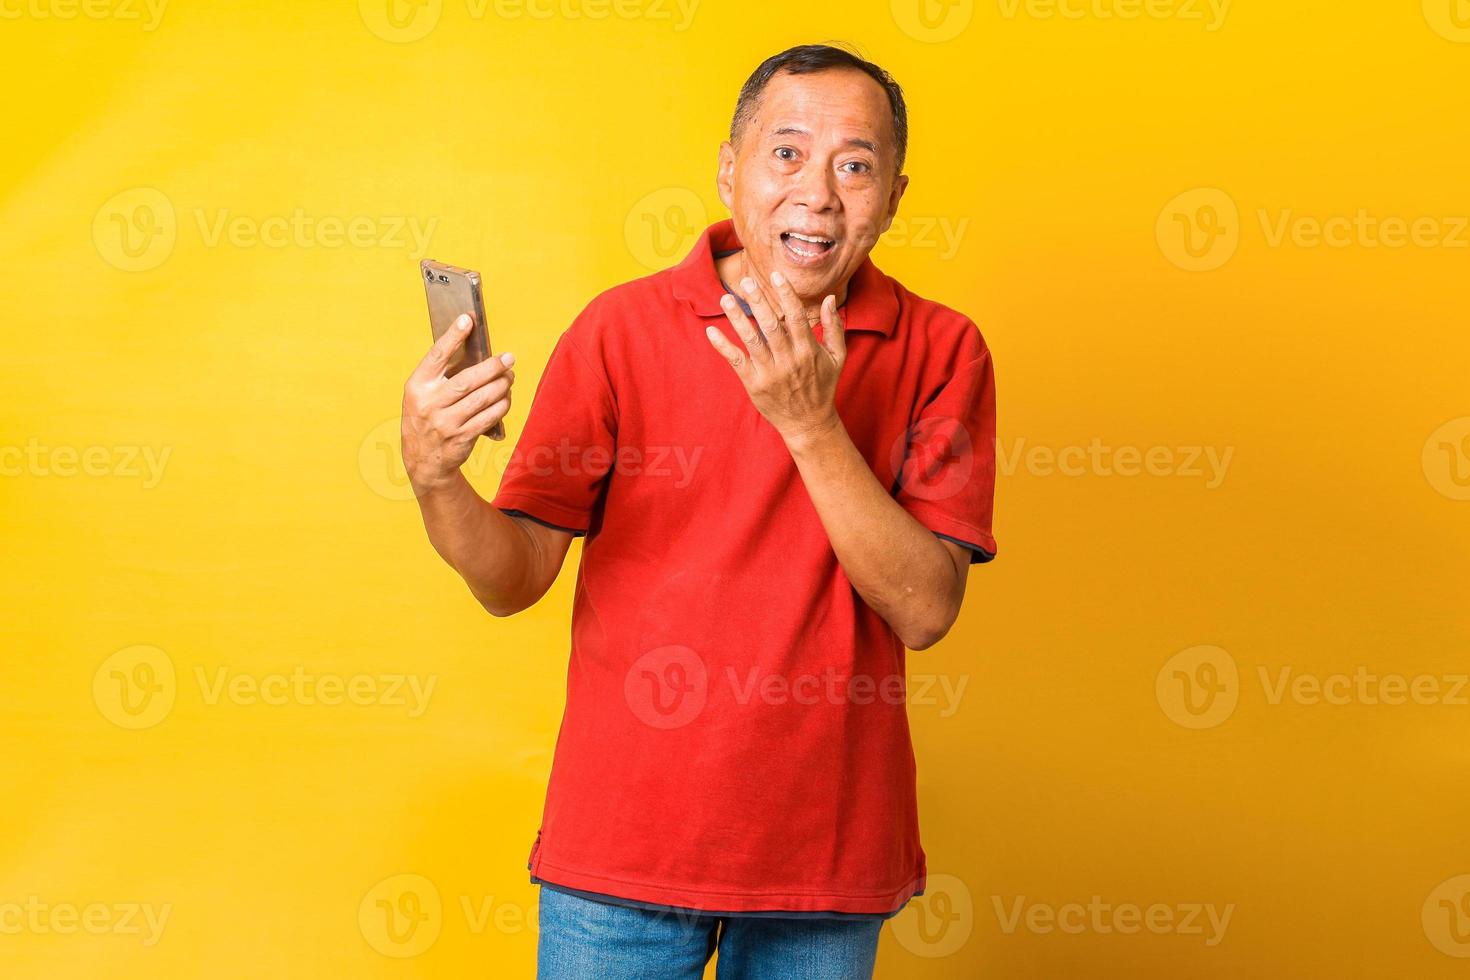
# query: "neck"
[[733, 268]]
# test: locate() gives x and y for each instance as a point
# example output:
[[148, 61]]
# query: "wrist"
[[427, 485], [814, 435]]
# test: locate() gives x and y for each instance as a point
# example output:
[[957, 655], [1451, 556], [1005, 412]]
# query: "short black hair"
[[808, 58]]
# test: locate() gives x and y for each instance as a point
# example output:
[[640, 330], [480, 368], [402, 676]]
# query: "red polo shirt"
[[735, 736]]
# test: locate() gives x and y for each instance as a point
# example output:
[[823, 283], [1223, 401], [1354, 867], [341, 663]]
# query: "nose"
[[816, 187]]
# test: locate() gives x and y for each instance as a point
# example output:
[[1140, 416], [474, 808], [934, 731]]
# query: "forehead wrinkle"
[[792, 94]]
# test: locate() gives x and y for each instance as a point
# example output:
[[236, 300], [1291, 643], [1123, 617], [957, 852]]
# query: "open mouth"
[[806, 248]]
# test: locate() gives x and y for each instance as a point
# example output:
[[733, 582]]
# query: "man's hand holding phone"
[[443, 416]]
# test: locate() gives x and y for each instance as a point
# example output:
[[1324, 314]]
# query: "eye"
[[785, 149], [861, 165]]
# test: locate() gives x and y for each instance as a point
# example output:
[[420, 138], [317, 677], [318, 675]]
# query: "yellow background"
[[543, 150]]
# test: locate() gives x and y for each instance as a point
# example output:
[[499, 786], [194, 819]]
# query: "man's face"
[[816, 161]]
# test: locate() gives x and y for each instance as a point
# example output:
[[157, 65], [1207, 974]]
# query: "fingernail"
[[711, 332], [777, 279], [462, 322], [507, 358], [727, 301]]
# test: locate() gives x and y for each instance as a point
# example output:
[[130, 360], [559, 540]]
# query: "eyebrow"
[[851, 141]]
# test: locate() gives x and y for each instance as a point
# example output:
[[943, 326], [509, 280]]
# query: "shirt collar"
[[871, 303]]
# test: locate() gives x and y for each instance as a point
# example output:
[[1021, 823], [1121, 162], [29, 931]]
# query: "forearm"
[[492, 552], [894, 563]]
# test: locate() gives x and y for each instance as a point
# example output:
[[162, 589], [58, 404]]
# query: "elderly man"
[[783, 464]]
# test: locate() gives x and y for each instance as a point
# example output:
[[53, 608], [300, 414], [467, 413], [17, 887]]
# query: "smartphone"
[[451, 292]]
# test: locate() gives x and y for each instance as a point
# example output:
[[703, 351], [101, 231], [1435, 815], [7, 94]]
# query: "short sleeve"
[[559, 467], [947, 476]]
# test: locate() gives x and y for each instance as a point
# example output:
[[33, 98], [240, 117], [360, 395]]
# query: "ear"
[[725, 175], [899, 186]]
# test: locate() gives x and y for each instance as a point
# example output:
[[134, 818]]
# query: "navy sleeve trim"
[[512, 512], [978, 555]]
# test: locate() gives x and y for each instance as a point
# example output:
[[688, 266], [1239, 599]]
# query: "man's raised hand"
[[791, 378], [443, 416]]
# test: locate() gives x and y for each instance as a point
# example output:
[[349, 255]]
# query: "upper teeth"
[[808, 238]]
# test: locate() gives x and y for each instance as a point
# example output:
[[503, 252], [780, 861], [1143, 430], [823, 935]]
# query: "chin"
[[811, 282]]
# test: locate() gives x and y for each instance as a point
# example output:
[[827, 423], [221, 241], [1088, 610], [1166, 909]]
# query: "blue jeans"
[[586, 940]]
